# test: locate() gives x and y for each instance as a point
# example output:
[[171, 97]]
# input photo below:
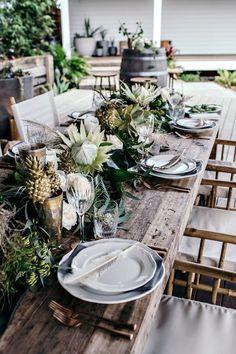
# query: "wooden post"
[[65, 26], [157, 17]]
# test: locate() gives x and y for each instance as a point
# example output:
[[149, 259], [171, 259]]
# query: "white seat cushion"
[[189, 327], [215, 220]]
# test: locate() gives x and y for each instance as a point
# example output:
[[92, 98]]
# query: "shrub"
[[26, 27]]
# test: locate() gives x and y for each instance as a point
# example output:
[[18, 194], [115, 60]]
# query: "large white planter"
[[85, 46]]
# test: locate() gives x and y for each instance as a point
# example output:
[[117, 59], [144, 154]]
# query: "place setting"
[[110, 271], [171, 166]]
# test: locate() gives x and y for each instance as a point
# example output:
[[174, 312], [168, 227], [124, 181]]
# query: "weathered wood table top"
[[158, 218]]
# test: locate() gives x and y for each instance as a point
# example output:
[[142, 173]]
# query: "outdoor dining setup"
[[107, 204]]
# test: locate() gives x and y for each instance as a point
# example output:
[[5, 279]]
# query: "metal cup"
[[36, 149]]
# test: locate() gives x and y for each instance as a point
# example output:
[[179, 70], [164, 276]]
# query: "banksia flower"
[[109, 117], [66, 163], [53, 177]]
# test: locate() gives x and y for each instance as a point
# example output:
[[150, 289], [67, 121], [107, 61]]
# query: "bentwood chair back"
[[209, 242], [183, 326], [39, 110]]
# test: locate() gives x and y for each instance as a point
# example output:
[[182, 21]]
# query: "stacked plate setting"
[[193, 125], [132, 275], [184, 168]]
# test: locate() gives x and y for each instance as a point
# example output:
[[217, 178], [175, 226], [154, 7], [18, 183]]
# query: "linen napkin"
[[65, 267], [205, 116], [152, 282]]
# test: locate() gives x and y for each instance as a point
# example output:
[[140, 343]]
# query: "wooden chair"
[[209, 242], [39, 110], [183, 326]]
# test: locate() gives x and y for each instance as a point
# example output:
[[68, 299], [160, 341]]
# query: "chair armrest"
[[225, 142]]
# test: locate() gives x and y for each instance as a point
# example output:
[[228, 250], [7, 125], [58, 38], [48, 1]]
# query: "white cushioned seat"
[[189, 327], [214, 220]]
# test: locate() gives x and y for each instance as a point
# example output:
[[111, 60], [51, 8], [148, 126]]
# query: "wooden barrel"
[[144, 64]]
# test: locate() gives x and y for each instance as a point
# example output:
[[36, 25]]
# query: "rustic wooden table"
[[158, 218]]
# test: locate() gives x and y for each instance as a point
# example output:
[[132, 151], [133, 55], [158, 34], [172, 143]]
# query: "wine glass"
[[105, 219], [176, 101], [36, 134], [145, 128], [80, 194]]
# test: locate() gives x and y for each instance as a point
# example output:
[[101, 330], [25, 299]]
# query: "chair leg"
[[189, 285], [171, 282], [109, 84]]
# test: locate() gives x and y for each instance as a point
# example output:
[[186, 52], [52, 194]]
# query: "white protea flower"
[[88, 151], [142, 95], [165, 94], [69, 216], [115, 141]]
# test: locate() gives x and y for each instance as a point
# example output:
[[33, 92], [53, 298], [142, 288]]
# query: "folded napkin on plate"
[[65, 267], [205, 116]]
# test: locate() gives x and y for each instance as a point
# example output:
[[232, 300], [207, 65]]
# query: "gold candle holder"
[[36, 149], [51, 216]]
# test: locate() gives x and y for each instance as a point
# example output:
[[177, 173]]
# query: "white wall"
[[109, 14], [200, 26]]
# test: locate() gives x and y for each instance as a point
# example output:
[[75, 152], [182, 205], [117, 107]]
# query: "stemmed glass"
[[145, 128], [176, 101], [36, 134], [80, 194], [144, 131]]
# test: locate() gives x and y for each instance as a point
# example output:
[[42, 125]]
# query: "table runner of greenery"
[[107, 154]]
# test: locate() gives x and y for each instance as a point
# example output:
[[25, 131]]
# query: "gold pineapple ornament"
[[38, 189], [34, 167], [41, 182]]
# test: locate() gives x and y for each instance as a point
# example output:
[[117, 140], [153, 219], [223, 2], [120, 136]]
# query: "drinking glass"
[[105, 219], [36, 134], [80, 194], [145, 128]]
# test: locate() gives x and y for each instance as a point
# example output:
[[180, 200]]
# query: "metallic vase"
[[51, 216], [36, 149]]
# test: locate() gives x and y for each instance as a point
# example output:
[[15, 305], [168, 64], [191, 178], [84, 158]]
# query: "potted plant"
[[99, 49], [112, 50], [17, 84], [103, 43], [85, 44]]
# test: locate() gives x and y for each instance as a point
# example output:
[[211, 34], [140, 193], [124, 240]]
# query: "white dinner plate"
[[193, 130], [86, 294], [14, 149], [176, 177], [183, 166], [130, 271], [191, 123]]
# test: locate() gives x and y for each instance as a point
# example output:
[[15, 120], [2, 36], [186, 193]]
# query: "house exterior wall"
[[109, 14], [200, 26]]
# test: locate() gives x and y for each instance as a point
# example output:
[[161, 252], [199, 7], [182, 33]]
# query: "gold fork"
[[73, 322], [70, 313]]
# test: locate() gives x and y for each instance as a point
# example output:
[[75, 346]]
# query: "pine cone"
[[66, 163], [39, 189], [34, 167]]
